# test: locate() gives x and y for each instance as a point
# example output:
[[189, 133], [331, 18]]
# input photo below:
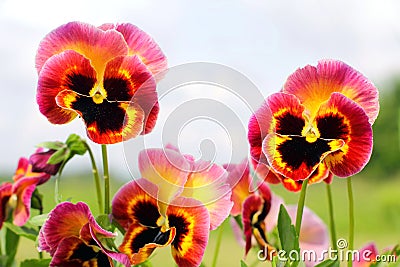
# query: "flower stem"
[[351, 218], [300, 206], [218, 244], [331, 217], [96, 178], [106, 178], [57, 197]]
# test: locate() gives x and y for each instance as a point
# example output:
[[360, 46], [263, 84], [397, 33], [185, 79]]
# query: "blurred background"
[[264, 40]]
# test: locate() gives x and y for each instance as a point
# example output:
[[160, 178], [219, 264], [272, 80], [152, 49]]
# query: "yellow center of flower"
[[98, 98]]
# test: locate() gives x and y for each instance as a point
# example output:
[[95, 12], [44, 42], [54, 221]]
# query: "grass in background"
[[377, 213]]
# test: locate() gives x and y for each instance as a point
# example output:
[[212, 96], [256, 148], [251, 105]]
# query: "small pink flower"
[[39, 162]]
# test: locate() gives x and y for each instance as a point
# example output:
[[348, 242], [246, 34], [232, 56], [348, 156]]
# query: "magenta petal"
[[5, 194]]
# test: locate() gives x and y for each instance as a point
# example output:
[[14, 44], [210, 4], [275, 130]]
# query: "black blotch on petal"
[[332, 126], [79, 83], [182, 229], [288, 124], [149, 235], [146, 213], [297, 150], [108, 115], [118, 89], [83, 252]]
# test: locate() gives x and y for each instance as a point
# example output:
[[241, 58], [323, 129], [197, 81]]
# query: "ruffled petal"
[[65, 220], [127, 79], [136, 202], [73, 251], [93, 43], [314, 85], [142, 45], [126, 122], [240, 181], [5, 194], [140, 241], [65, 71], [23, 189], [192, 223], [208, 184], [260, 125], [25, 170], [166, 168], [342, 118]]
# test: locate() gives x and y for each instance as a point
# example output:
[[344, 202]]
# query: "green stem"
[[300, 206], [106, 178], [351, 218], [331, 217], [57, 197], [218, 244], [96, 178]]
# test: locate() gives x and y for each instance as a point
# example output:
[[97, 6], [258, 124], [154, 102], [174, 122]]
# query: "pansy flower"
[[177, 202], [39, 161], [256, 205], [73, 238], [319, 123], [105, 75], [5, 194]]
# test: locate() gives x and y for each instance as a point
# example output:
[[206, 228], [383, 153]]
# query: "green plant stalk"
[[218, 245], [331, 217], [351, 218], [96, 178], [57, 197], [300, 206], [106, 178]]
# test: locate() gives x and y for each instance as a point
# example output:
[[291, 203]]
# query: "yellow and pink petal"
[[95, 44], [240, 181], [167, 169], [192, 223], [25, 170], [208, 183], [314, 85], [136, 203]]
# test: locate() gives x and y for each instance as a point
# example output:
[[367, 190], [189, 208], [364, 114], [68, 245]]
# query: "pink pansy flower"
[[72, 237], [318, 125], [177, 202], [92, 72], [314, 235]]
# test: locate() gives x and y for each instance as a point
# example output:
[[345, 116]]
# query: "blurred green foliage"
[[385, 160]]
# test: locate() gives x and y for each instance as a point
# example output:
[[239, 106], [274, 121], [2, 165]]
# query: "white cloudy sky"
[[264, 40]]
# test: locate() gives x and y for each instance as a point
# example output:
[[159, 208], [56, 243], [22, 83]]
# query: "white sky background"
[[264, 40]]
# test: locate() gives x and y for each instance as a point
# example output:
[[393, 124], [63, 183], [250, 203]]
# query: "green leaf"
[[36, 263], [328, 263], [76, 144], [243, 264], [287, 232], [12, 240], [52, 145], [144, 264], [28, 231], [59, 156], [38, 220]]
